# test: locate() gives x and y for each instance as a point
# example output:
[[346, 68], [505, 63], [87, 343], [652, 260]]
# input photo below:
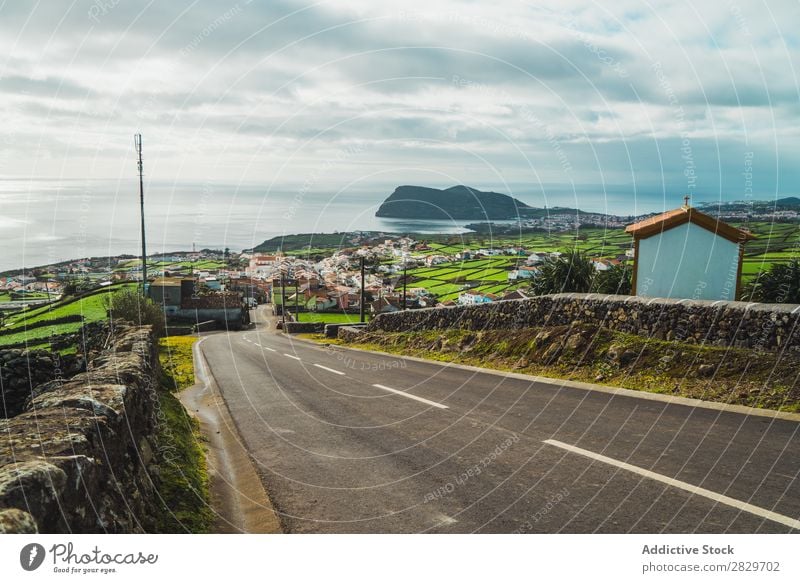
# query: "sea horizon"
[[47, 221]]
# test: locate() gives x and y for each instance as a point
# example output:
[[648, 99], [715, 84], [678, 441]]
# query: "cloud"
[[566, 92]]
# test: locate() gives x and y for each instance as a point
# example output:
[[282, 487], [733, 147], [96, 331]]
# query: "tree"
[[571, 272], [780, 284], [615, 280], [69, 289], [129, 305]]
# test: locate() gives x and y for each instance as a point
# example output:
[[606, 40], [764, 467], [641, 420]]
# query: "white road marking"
[[334, 371], [722, 499], [410, 396], [268, 348], [443, 519], [292, 356], [257, 344]]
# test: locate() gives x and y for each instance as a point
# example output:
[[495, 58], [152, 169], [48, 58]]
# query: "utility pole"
[[137, 141], [363, 294], [297, 300], [405, 281], [283, 303]]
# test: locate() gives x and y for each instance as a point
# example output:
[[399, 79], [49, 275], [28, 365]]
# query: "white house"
[[684, 253], [534, 258], [600, 264], [472, 298], [521, 273]]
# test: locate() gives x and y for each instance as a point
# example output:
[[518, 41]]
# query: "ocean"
[[47, 221]]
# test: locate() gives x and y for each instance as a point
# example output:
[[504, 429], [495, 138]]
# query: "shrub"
[[779, 285], [129, 305], [572, 272], [615, 280]]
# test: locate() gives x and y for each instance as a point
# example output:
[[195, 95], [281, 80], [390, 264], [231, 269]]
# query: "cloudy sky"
[[657, 96]]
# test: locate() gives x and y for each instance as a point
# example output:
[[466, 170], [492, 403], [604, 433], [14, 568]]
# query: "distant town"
[[321, 273]]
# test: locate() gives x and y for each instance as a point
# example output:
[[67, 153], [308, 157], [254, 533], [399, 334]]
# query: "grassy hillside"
[[91, 307]]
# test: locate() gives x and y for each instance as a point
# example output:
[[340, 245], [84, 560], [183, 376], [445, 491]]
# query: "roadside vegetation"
[[128, 304], [183, 473]]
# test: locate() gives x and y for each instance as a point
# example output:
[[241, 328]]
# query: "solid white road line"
[[334, 371], [410, 396], [292, 356], [722, 499]]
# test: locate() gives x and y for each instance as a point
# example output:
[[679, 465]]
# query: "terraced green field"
[[448, 282], [774, 243], [91, 307]]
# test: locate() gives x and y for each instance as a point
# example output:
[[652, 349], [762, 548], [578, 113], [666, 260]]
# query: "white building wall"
[[687, 261]]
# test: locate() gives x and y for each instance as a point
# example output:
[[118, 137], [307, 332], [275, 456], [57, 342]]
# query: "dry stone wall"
[[79, 456], [22, 370]]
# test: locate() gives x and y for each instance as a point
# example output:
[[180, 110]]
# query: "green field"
[[176, 266], [92, 307], [449, 281], [328, 318], [774, 243]]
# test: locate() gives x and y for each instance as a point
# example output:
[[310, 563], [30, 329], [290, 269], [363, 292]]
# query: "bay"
[[47, 221]]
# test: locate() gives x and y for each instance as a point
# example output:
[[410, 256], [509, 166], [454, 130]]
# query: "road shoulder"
[[238, 497]]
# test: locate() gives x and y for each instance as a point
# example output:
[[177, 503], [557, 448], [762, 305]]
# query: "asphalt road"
[[340, 449]]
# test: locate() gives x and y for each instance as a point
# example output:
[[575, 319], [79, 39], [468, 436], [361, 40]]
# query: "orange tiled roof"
[[674, 218]]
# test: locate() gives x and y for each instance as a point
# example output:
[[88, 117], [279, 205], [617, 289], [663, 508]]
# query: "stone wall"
[[22, 370], [304, 327], [79, 457], [720, 323], [350, 333]]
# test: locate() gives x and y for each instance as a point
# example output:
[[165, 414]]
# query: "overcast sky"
[[672, 95]]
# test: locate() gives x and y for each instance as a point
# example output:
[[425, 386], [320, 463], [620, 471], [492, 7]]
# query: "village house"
[[517, 294], [521, 273], [472, 298], [385, 305], [168, 292], [262, 263]]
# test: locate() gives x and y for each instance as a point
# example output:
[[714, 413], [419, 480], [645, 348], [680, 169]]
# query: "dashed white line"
[[334, 371], [268, 348], [292, 356], [721, 498], [410, 396]]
